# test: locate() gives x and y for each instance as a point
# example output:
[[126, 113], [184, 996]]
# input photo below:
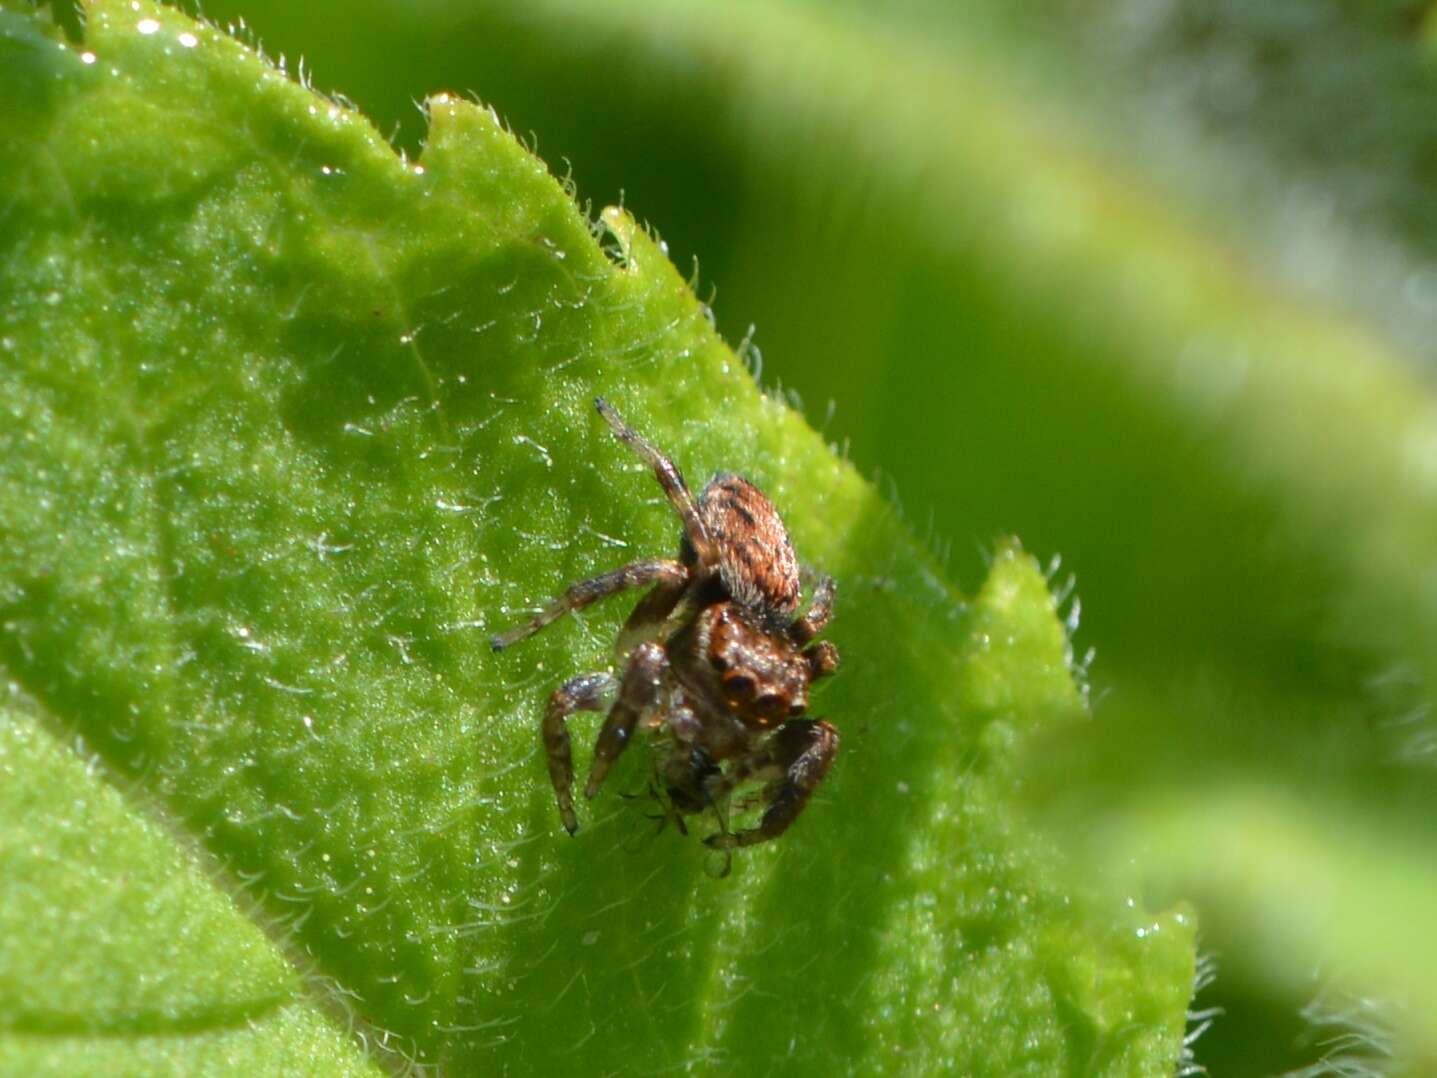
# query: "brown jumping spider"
[[722, 666]]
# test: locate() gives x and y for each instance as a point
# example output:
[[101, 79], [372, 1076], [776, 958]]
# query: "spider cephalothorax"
[[717, 662]]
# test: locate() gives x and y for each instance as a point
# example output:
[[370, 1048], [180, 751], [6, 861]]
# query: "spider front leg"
[[640, 691], [665, 572], [797, 756], [588, 692], [650, 614]]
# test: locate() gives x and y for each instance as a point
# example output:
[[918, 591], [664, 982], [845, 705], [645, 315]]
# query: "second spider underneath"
[[718, 661]]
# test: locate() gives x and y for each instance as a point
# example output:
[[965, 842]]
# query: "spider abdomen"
[[756, 561]]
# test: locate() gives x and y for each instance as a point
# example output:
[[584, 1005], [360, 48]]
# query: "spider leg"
[[800, 753], [588, 692], [639, 692], [669, 477], [652, 611], [822, 659], [664, 571], [820, 612]]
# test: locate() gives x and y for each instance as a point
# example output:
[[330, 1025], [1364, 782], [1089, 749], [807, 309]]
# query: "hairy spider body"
[[717, 662]]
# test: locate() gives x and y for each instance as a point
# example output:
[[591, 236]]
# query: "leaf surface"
[[293, 424]]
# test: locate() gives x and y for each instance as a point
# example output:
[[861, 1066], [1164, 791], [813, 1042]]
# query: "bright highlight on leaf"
[[292, 425]]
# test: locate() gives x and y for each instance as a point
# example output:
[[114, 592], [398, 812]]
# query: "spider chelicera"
[[718, 662]]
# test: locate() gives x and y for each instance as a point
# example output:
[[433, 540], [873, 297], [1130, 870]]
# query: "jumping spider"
[[722, 663]]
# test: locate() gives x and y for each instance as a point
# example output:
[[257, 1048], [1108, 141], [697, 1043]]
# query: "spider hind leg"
[[669, 477]]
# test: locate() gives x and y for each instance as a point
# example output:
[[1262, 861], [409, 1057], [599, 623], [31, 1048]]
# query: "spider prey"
[[718, 663]]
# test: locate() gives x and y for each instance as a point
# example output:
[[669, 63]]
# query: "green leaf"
[[292, 424], [1152, 287], [1311, 890], [1285, 873], [118, 954]]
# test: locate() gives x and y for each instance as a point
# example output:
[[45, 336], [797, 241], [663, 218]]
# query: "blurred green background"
[[1151, 284]]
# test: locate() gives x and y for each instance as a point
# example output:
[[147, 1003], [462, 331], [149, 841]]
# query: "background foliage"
[[1149, 285]]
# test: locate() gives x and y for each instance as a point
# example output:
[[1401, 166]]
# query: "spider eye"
[[768, 704], [738, 686], [720, 663], [798, 707]]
